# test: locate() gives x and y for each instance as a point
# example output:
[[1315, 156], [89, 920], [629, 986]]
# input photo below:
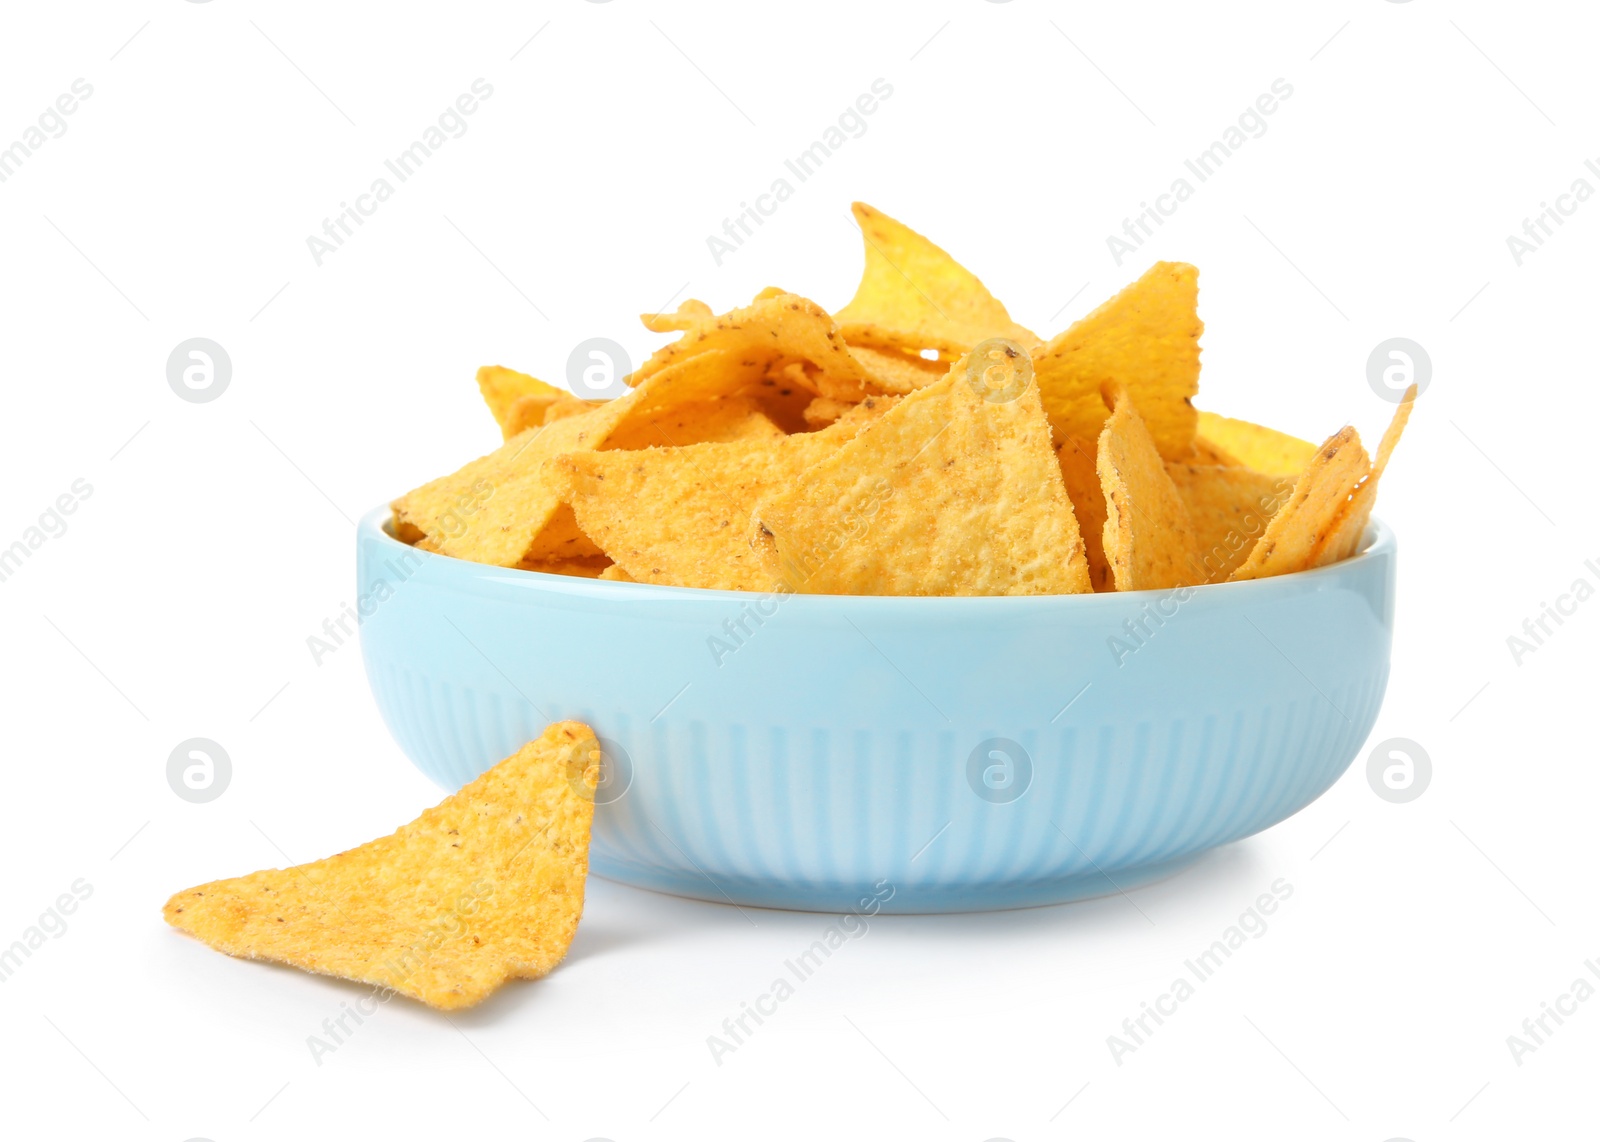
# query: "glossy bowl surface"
[[815, 752]]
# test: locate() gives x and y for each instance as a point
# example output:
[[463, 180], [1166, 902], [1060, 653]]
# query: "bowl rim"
[[1378, 542]]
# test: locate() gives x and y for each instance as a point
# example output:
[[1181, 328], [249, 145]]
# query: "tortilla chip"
[[1345, 538], [1230, 508], [681, 516], [1238, 443], [533, 411], [914, 296], [898, 373], [1320, 496], [617, 574], [774, 330], [687, 314], [484, 887], [560, 540], [824, 411], [1082, 480], [695, 422], [593, 567], [1148, 537], [947, 493], [1146, 340], [502, 387], [493, 509], [782, 396]]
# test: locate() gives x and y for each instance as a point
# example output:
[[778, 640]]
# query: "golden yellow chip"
[[533, 411], [1345, 537], [590, 567], [783, 396], [1082, 479], [899, 373], [695, 422], [953, 491], [1230, 508], [1239, 443], [1145, 340], [681, 516], [494, 508], [484, 887], [774, 330], [616, 574], [1148, 537], [502, 387], [823, 411], [685, 317], [1312, 510], [914, 296]]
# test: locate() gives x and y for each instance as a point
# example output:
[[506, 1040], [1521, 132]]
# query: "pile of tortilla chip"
[[917, 442]]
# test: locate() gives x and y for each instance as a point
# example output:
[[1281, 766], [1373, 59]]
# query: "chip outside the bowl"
[[486, 886]]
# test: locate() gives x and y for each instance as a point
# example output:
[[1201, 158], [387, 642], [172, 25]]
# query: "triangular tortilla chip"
[[1238, 443], [686, 316], [915, 296], [681, 516], [1146, 340], [696, 422], [506, 507], [774, 330], [502, 387], [493, 509], [948, 493], [1148, 537], [1320, 496], [1345, 537], [484, 887], [898, 373], [823, 411], [1230, 508], [1082, 480], [535, 410]]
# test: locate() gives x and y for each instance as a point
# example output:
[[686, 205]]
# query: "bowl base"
[[908, 900]]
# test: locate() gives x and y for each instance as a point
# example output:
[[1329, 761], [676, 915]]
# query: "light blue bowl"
[[820, 751]]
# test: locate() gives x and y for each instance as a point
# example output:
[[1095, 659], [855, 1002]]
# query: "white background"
[[218, 537]]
